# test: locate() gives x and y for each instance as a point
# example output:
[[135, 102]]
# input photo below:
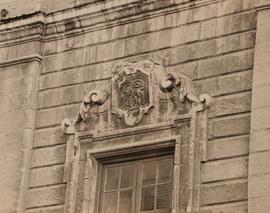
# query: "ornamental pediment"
[[139, 93]]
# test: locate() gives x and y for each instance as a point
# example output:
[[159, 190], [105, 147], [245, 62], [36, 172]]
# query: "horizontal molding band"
[[24, 59], [103, 13]]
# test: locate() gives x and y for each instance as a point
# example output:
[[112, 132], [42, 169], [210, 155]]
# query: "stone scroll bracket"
[[91, 99], [185, 89]]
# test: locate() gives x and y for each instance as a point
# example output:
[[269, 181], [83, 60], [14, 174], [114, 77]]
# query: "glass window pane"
[[149, 173], [164, 170], [127, 176], [148, 198], [164, 196], [110, 202], [112, 178], [125, 202]]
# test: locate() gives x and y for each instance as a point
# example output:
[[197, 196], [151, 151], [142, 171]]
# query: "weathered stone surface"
[[260, 118], [228, 147], [259, 163], [261, 70], [224, 169], [47, 137], [53, 117], [259, 185], [229, 126], [226, 84], [237, 207], [17, 115], [53, 195], [133, 46], [262, 99], [17, 51], [263, 18], [231, 104], [224, 192], [48, 156], [259, 147], [46, 176], [262, 140], [262, 53], [259, 204], [226, 64], [68, 95]]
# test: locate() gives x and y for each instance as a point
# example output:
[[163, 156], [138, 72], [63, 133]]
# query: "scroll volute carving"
[[185, 90], [91, 99]]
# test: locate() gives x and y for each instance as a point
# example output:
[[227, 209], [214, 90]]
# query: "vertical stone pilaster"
[[259, 163], [20, 62]]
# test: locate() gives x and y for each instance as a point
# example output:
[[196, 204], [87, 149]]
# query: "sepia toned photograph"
[[134, 106]]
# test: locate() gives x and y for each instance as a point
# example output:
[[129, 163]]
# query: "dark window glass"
[[110, 202], [164, 170], [127, 176], [163, 196], [148, 198], [149, 173], [125, 203], [112, 178], [137, 186]]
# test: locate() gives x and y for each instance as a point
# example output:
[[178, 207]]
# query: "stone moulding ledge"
[[105, 13], [19, 41], [89, 136], [22, 21], [138, 146], [24, 59]]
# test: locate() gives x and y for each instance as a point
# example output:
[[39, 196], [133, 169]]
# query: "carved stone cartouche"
[[132, 91]]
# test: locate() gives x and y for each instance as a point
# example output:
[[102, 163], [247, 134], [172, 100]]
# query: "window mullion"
[[118, 189], [156, 184], [138, 187]]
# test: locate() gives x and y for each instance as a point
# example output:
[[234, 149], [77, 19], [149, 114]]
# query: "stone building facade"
[[89, 85]]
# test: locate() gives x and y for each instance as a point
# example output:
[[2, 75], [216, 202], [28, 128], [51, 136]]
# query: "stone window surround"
[[94, 154], [108, 148]]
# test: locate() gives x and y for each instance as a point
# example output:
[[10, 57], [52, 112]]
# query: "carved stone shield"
[[132, 90]]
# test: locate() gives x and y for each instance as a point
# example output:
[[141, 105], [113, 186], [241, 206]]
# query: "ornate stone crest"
[[132, 90]]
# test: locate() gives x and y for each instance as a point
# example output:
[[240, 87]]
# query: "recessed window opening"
[[139, 182]]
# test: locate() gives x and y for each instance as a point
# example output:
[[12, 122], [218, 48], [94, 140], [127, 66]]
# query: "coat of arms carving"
[[132, 90]]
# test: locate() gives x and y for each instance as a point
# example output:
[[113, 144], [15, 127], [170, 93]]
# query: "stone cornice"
[[25, 59], [91, 17], [14, 23], [16, 31], [110, 13]]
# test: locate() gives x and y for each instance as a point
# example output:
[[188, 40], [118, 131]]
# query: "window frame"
[[137, 185], [95, 161]]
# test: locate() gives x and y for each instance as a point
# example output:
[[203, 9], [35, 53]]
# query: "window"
[[143, 185]]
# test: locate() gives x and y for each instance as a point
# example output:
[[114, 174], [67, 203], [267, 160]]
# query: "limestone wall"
[[212, 42], [19, 69]]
